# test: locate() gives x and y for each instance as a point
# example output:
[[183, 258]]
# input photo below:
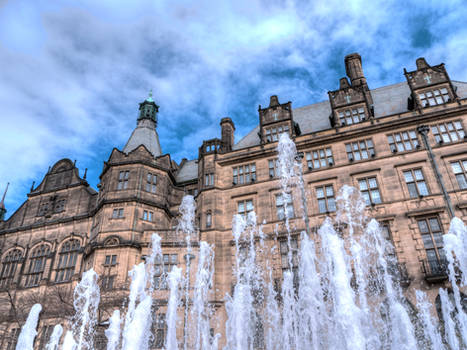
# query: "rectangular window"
[[352, 116], [147, 215], [285, 261], [110, 260], [370, 191], [359, 150], [273, 168], [209, 179], [13, 338], [151, 183], [45, 334], [319, 158], [108, 282], [162, 268], [448, 132], [432, 236], [159, 331], [434, 97], [244, 174], [326, 199], [460, 170], [403, 141], [117, 213], [284, 206], [123, 177], [245, 207], [208, 220], [415, 183], [272, 134]]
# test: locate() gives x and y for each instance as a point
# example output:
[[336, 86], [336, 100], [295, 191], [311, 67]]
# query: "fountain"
[[28, 331], [339, 289]]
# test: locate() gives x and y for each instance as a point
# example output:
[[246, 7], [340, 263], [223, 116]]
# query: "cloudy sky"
[[71, 76]]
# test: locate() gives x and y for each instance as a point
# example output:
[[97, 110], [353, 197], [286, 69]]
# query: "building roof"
[[188, 171], [387, 100], [144, 134]]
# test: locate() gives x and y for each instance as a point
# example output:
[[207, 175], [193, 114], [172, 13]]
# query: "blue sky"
[[72, 74]]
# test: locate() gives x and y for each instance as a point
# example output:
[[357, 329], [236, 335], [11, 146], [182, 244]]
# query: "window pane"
[[434, 225], [329, 191], [422, 188], [412, 190], [408, 176], [322, 205], [372, 182], [422, 225], [456, 167], [363, 185], [249, 205], [319, 192], [462, 181], [331, 204], [375, 196], [418, 174]]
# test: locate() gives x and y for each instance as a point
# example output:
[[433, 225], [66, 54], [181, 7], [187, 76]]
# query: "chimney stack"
[[354, 70], [227, 131]]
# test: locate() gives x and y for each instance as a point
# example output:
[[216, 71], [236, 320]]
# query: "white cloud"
[[76, 72]]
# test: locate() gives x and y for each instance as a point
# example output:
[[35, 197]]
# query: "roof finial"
[[2, 205], [150, 99]]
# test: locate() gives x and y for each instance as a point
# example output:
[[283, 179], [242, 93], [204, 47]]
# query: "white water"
[[86, 302], [55, 338], [28, 331], [342, 294], [174, 279], [113, 332]]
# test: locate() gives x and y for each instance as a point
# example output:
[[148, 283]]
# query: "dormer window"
[[272, 134], [434, 97], [352, 116]]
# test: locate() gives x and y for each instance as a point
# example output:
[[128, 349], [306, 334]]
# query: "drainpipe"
[[423, 130]]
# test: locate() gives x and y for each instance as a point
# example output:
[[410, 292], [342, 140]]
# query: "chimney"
[[227, 131], [273, 101], [421, 63], [354, 70]]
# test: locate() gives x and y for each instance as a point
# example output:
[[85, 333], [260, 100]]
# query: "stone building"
[[402, 145]]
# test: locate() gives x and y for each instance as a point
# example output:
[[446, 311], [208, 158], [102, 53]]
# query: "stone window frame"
[[208, 219], [10, 262], [67, 259], [244, 174], [35, 267], [148, 215], [352, 115], [434, 96], [209, 179], [273, 167], [117, 213], [162, 268], [416, 185], [151, 182], [448, 131], [370, 189], [43, 208], [272, 134], [365, 148], [110, 260], [246, 210], [403, 141], [327, 198], [284, 210], [436, 241], [107, 282], [123, 179], [461, 173], [160, 330], [322, 157]]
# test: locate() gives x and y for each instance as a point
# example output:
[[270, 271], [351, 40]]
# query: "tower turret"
[[145, 133]]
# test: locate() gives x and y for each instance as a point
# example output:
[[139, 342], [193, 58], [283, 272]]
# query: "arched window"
[[67, 260], [36, 267], [9, 265]]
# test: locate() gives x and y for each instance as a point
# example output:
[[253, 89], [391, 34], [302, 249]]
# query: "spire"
[[145, 132], [2, 204]]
